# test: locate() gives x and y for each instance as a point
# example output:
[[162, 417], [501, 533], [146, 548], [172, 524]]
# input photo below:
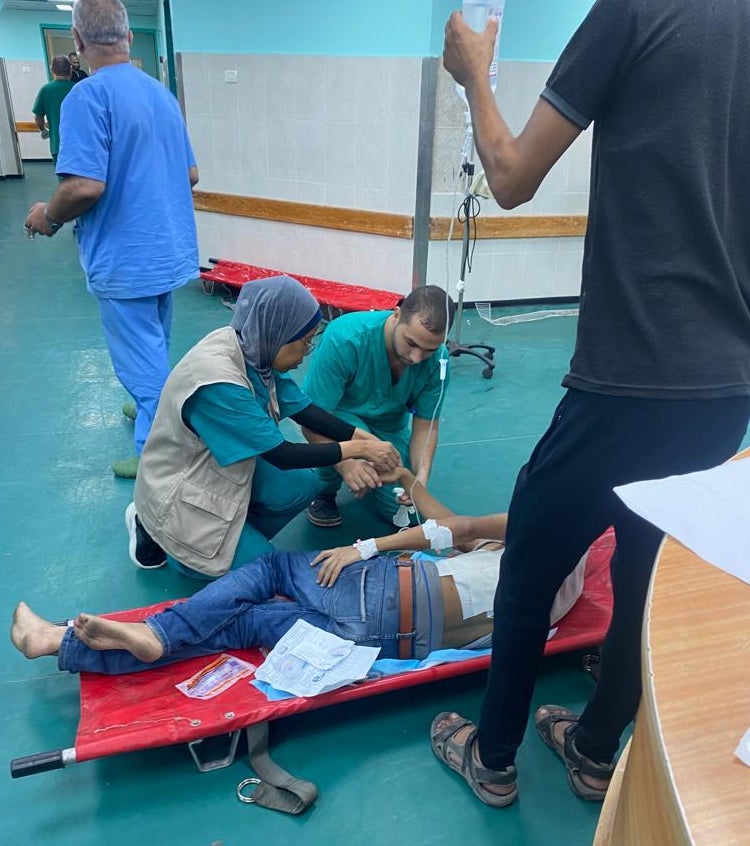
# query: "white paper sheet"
[[308, 661], [708, 511]]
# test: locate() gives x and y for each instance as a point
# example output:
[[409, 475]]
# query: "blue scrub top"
[[125, 129]]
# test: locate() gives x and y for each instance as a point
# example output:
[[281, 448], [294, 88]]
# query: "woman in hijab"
[[217, 479]]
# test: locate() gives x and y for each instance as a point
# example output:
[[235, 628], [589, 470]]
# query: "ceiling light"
[[64, 7]]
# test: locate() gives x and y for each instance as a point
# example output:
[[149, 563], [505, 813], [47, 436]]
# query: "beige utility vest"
[[192, 507]]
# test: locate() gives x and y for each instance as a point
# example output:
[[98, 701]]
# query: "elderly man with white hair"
[[128, 170]]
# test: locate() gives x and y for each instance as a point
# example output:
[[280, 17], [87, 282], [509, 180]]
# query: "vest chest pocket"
[[199, 519]]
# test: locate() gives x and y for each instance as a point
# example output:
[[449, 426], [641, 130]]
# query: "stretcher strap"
[[278, 789]]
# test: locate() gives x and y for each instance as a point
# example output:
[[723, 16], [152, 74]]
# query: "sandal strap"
[[479, 773], [585, 766], [448, 732]]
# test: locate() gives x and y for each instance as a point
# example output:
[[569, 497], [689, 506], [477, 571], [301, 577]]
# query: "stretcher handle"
[[42, 762], [213, 260]]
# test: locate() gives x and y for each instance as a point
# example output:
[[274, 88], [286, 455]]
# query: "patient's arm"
[[466, 531]]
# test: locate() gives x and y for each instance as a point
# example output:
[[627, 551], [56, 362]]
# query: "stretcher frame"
[[335, 297], [175, 718]]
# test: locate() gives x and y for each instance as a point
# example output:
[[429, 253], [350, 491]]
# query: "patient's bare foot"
[[34, 636], [136, 638]]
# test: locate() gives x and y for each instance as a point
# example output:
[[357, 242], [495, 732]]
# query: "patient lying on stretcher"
[[407, 608]]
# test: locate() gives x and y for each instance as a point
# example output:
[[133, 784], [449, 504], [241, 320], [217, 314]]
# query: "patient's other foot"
[[136, 638], [33, 636]]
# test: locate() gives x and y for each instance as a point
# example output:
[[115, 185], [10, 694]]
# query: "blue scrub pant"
[[137, 334], [277, 497], [241, 609], [383, 498]]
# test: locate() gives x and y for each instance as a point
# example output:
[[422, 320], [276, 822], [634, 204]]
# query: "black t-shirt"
[[665, 300]]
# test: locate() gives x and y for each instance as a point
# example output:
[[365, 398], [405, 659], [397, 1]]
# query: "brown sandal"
[[461, 759], [577, 767]]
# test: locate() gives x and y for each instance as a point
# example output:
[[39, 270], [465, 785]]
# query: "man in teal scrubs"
[[381, 371]]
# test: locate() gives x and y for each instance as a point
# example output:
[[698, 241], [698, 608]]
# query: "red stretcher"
[[144, 710], [334, 295]]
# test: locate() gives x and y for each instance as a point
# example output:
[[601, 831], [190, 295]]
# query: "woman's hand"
[[333, 561], [381, 453], [360, 476]]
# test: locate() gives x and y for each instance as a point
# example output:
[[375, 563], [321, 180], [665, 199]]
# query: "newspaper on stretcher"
[[308, 661]]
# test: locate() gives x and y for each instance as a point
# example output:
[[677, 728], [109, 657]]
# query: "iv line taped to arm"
[[440, 537]]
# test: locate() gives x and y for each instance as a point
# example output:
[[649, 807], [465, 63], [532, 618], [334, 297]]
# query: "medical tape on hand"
[[440, 537], [366, 548]]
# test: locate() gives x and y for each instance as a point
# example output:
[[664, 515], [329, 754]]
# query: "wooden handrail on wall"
[[26, 126], [307, 214], [386, 223], [494, 227]]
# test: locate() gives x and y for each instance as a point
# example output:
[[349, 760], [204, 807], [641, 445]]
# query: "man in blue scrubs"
[[128, 169]]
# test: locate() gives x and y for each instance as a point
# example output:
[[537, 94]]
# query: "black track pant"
[[563, 501]]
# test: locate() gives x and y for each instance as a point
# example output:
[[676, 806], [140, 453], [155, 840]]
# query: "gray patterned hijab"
[[270, 313]]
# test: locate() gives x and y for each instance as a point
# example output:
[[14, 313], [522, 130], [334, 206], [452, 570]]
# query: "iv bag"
[[475, 13]]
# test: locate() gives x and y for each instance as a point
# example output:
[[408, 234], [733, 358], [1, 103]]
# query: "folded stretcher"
[[335, 295], [145, 710]]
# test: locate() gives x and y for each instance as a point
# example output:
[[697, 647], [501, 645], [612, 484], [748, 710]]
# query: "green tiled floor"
[[63, 548]]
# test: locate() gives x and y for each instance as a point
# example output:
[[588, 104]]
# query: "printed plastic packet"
[[216, 677]]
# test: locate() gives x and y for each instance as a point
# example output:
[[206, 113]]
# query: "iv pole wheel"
[[487, 372]]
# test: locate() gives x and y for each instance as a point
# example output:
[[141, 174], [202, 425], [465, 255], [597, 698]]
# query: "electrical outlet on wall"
[[230, 76]]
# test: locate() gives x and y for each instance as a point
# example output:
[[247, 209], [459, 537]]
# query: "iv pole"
[[455, 347]]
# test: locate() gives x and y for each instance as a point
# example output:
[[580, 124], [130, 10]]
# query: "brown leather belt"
[[406, 630]]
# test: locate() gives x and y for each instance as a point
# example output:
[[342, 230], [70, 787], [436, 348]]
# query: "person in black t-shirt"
[[659, 383]]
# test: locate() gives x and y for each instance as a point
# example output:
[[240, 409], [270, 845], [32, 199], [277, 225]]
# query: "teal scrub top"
[[349, 373], [234, 423]]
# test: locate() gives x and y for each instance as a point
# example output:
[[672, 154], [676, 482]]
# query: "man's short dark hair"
[[72, 53], [61, 66], [432, 305]]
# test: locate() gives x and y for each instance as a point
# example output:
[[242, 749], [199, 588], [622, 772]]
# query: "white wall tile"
[[196, 84], [311, 192], [341, 154], [310, 150], [341, 196], [310, 79], [281, 148], [279, 87], [371, 154], [340, 88], [343, 131]]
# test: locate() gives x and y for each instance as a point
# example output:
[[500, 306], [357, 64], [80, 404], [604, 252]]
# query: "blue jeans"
[[242, 609], [137, 335]]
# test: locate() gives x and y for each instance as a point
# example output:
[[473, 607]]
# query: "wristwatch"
[[53, 224]]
